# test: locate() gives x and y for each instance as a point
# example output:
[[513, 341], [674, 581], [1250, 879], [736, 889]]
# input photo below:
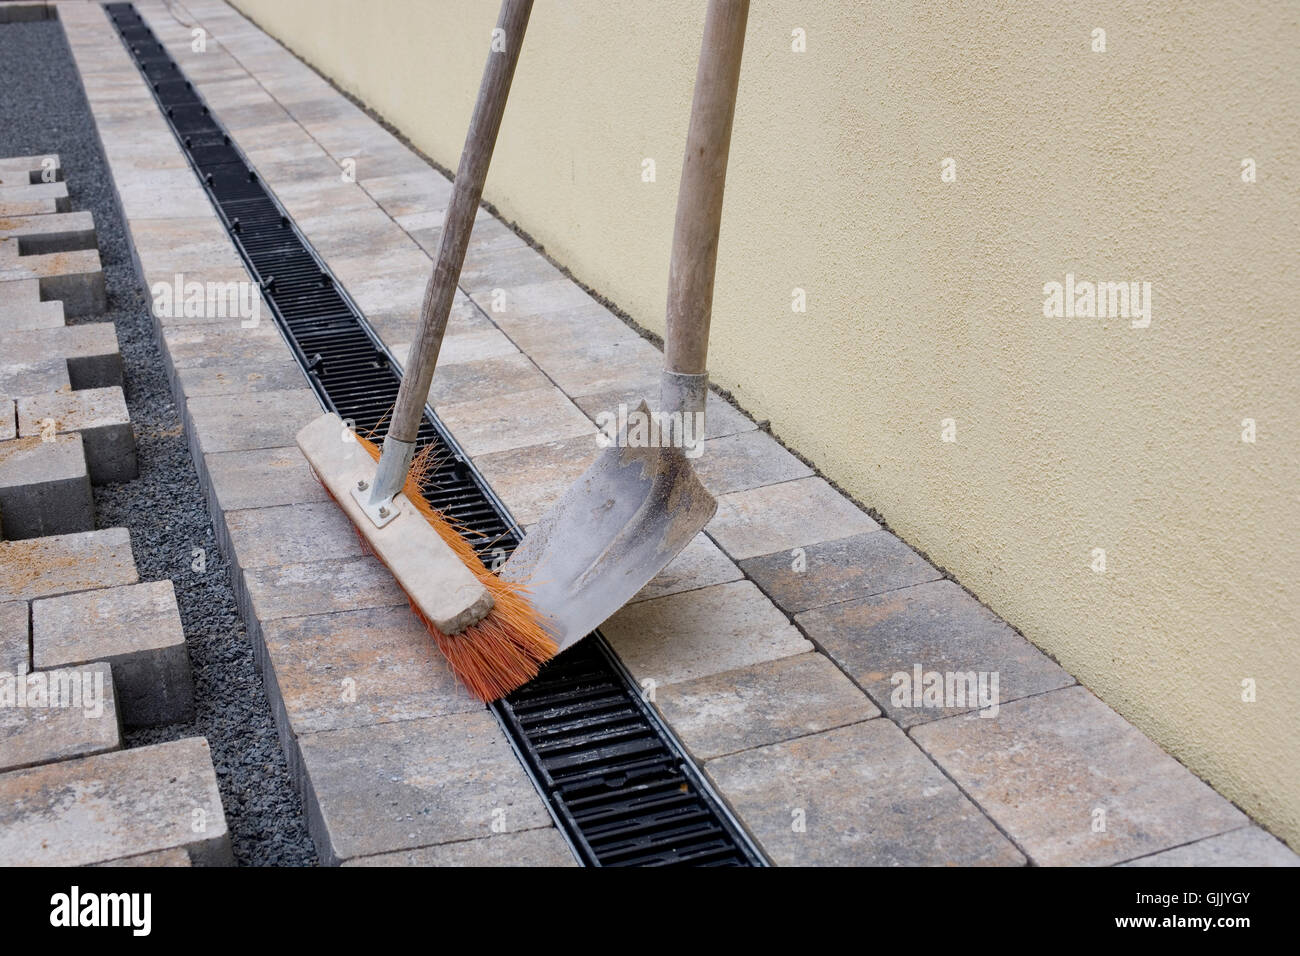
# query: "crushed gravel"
[[43, 109]]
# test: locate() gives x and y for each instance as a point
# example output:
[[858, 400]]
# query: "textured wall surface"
[[925, 297]]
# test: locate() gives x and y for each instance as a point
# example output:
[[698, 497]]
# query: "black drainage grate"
[[618, 784]]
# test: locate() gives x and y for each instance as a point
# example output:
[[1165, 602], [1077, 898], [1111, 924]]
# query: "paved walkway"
[[776, 645]]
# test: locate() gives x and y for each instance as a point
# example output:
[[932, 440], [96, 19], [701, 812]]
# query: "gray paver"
[[355, 668], [840, 570], [291, 534], [44, 487], [75, 278], [515, 420], [543, 847], [413, 783], [8, 418], [84, 723], [699, 565], [293, 590], [1051, 769], [24, 316], [762, 704], [59, 232], [532, 478], [61, 564], [114, 805], [137, 629], [1247, 846], [484, 379], [15, 638], [34, 378], [939, 628], [256, 420], [99, 416], [239, 379], [697, 633], [788, 515], [90, 349], [748, 460], [864, 795]]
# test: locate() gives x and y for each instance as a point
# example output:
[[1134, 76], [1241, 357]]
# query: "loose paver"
[[1073, 782], [34, 199], [543, 847], [135, 628], [76, 278], [861, 795], [23, 316], [356, 668], [57, 232], [44, 487], [1247, 846], [413, 783], [840, 570], [698, 633], [762, 704], [34, 378], [90, 350], [99, 416], [788, 515], [113, 805], [897, 644], [15, 638], [62, 564], [65, 713]]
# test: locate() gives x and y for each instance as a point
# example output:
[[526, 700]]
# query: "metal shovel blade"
[[628, 515]]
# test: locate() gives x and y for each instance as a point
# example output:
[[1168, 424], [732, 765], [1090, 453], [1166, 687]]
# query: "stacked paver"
[[85, 648], [770, 645]]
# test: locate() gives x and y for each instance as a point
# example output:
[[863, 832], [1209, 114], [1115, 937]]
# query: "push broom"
[[485, 626]]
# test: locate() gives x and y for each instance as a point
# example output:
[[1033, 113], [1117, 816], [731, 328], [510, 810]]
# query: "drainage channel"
[[617, 782]]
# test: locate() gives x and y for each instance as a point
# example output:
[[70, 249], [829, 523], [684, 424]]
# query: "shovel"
[[635, 508]]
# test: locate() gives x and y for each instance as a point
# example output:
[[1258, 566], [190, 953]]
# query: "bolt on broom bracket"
[[378, 498]]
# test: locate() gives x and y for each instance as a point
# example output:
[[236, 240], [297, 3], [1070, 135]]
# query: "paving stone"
[[697, 633], [1045, 766], [291, 534], [762, 704], [748, 460], [34, 199], [44, 487], [59, 232], [34, 378], [293, 590], [223, 344], [15, 638], [939, 628], [465, 347], [256, 420], [20, 170], [24, 316], [99, 416], [840, 570], [788, 515], [61, 564], [485, 379], [515, 420], [355, 668], [91, 351], [240, 379], [259, 478], [414, 783], [530, 479], [534, 298], [8, 418], [720, 418], [137, 629], [76, 278], [543, 847], [114, 805], [162, 193], [632, 365], [175, 857], [83, 723], [700, 564], [861, 795], [1248, 846], [500, 266]]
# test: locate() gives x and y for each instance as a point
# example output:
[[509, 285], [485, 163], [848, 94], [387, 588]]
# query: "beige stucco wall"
[[925, 298]]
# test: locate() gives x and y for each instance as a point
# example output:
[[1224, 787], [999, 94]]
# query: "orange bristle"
[[506, 649]]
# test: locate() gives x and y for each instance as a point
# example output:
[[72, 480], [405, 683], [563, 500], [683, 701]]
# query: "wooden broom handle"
[[467, 190], [699, 197]]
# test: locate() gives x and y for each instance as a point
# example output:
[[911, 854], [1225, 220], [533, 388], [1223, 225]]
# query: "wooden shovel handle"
[[699, 197], [467, 190]]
